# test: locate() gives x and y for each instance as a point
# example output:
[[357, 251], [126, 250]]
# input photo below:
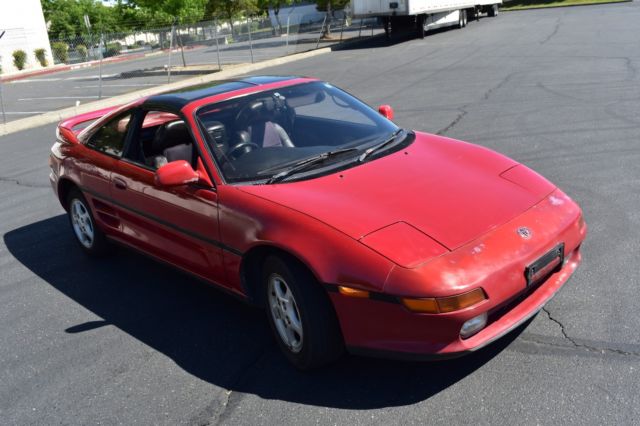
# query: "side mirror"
[[386, 111], [176, 173]]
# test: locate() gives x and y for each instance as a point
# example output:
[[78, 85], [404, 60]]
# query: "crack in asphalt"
[[630, 67], [555, 31], [216, 411], [576, 344], [460, 116], [462, 111], [21, 183]]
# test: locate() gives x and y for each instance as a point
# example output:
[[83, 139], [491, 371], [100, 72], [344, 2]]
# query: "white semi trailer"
[[423, 15]]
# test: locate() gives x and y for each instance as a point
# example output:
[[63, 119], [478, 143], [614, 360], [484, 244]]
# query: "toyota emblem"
[[524, 232]]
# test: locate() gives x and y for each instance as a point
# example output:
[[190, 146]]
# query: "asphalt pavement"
[[126, 340]]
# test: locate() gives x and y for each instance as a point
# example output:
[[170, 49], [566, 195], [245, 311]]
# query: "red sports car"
[[350, 231]]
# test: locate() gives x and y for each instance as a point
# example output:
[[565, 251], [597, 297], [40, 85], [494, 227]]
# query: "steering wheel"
[[241, 148]]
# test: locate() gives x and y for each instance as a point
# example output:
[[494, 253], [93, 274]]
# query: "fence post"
[[344, 22], [250, 40], [321, 30], [181, 44], [100, 46], [4, 114], [173, 27], [288, 18], [360, 30], [215, 35]]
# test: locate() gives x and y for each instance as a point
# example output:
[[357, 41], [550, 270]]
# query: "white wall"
[[297, 14], [26, 29]]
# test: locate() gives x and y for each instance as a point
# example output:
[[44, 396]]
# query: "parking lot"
[[126, 340]]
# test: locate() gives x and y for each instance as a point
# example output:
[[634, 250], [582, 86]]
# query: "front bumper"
[[495, 262]]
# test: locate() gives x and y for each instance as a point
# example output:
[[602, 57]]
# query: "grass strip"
[[540, 4]]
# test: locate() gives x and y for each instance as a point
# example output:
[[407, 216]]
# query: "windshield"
[[256, 137]]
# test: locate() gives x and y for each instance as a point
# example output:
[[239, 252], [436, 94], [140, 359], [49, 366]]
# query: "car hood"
[[450, 190]]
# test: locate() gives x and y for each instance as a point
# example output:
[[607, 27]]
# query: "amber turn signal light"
[[353, 292], [445, 304], [424, 306]]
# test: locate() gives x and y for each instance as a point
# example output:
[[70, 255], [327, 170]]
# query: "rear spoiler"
[[67, 131]]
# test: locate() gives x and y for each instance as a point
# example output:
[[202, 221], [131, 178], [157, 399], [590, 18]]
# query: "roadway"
[[126, 340]]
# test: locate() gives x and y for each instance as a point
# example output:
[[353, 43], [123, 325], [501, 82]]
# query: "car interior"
[[252, 135]]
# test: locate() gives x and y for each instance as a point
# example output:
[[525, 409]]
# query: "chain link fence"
[[160, 55]]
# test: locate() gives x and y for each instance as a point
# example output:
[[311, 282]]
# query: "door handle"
[[119, 183]]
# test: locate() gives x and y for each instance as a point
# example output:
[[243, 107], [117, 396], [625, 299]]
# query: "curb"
[[60, 68], [59, 115], [112, 60], [21, 75]]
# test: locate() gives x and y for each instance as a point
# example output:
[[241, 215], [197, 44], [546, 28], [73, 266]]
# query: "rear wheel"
[[91, 239], [420, 30], [300, 314], [462, 19]]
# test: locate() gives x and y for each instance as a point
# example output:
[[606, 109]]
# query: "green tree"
[[231, 9], [66, 17], [166, 11], [330, 6], [275, 5]]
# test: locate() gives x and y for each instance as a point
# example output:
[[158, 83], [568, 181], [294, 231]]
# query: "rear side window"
[[110, 138]]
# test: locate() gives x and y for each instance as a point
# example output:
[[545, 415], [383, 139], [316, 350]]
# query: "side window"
[[162, 137], [110, 138]]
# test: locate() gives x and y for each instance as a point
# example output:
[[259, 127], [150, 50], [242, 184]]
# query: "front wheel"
[[88, 235], [300, 314]]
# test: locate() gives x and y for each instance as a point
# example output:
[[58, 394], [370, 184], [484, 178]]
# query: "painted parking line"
[[24, 112], [49, 80], [105, 86], [47, 98]]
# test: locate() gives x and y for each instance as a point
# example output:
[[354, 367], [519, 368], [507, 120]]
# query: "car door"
[[103, 148], [177, 224]]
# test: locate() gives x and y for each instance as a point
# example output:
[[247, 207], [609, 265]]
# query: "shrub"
[[41, 56], [140, 43], [19, 59], [82, 52], [131, 46], [113, 49], [60, 51], [187, 38]]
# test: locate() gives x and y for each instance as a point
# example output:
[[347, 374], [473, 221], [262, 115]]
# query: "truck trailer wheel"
[[420, 26], [462, 19], [493, 11]]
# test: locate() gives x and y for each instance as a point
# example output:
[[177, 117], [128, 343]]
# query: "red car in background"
[[350, 231]]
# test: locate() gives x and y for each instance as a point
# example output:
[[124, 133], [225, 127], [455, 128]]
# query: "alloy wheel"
[[285, 313], [82, 223]]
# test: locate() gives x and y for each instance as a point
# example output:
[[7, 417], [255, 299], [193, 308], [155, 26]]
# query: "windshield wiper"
[[380, 145], [307, 163]]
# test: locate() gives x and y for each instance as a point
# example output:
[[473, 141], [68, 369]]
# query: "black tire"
[[420, 30], [96, 246], [462, 19], [493, 11], [321, 340]]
